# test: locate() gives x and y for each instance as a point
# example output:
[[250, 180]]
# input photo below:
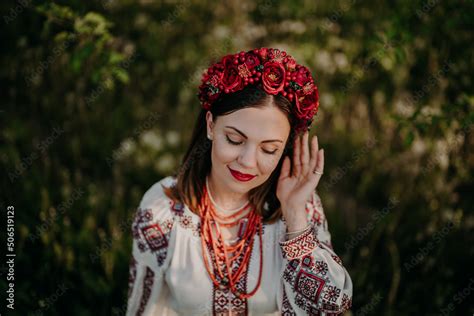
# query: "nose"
[[248, 158]]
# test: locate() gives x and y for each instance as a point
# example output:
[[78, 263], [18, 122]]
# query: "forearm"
[[296, 221]]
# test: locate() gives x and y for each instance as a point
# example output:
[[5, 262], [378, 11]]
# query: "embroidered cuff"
[[300, 245]]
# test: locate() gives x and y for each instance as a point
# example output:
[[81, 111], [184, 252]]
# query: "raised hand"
[[295, 189]]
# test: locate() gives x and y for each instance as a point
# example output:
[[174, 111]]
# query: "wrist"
[[295, 219], [290, 234]]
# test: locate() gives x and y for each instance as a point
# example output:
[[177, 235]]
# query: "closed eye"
[[270, 152], [239, 143], [232, 142]]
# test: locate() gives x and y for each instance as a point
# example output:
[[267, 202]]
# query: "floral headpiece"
[[270, 68]]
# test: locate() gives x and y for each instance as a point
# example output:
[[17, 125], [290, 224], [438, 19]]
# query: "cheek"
[[268, 163], [224, 152]]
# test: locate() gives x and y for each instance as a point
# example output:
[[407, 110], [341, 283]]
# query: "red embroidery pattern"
[[313, 208], [147, 286], [331, 293], [286, 309], [346, 302], [321, 267], [224, 302], [153, 235], [132, 275], [337, 259], [185, 221], [300, 245], [309, 285], [150, 235], [312, 287]]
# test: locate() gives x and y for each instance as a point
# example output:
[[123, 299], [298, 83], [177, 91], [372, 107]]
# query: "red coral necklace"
[[222, 256]]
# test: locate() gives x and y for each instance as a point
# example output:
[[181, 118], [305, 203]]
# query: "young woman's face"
[[250, 141]]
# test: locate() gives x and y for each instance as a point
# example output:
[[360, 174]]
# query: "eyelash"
[[238, 143]]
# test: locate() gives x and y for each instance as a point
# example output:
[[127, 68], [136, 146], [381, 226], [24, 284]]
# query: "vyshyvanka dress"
[[167, 276]]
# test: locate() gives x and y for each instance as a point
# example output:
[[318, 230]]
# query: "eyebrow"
[[265, 141]]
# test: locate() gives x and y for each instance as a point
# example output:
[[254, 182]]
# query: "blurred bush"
[[97, 100]]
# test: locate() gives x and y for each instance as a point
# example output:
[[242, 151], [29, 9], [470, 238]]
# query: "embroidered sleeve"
[[151, 251], [314, 280]]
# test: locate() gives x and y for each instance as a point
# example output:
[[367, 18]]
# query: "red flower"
[[252, 61], [276, 55], [278, 73], [302, 76], [273, 77], [307, 105], [209, 90], [290, 64], [263, 53], [231, 78]]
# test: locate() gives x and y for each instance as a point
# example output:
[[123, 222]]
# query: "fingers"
[[296, 157], [304, 153], [314, 153], [319, 166], [285, 168], [305, 159]]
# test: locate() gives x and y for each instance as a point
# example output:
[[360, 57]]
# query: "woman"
[[240, 229]]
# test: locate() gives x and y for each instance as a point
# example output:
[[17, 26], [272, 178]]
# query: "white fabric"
[[178, 284]]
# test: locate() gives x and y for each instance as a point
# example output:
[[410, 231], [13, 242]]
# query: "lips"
[[241, 176]]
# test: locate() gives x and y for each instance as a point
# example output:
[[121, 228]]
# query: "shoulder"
[[155, 206], [155, 196], [153, 224]]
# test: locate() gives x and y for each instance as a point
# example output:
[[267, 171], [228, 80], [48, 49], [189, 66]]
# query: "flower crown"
[[270, 68]]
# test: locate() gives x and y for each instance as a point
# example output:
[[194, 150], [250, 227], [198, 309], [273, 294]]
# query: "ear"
[[209, 123]]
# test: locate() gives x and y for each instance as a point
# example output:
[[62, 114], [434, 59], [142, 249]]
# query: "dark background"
[[98, 100]]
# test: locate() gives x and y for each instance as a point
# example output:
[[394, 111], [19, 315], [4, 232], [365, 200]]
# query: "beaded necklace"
[[220, 259]]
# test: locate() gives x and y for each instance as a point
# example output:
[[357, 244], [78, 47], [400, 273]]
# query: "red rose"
[[302, 76], [252, 61], [231, 78], [273, 77], [307, 105]]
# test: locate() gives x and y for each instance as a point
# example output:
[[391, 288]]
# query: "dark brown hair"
[[196, 164]]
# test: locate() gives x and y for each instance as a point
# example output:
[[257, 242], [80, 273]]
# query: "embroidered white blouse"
[[302, 276]]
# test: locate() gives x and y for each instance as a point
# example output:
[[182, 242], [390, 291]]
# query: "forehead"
[[259, 123]]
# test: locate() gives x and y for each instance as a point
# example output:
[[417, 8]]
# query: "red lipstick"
[[241, 176]]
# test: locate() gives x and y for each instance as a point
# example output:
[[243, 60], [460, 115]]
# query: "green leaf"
[[121, 75]]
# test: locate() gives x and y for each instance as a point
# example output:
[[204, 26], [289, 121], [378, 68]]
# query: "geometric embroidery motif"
[[132, 275], [346, 302], [224, 302], [312, 291], [337, 259], [185, 221], [150, 235], [316, 217], [332, 294], [301, 245], [307, 261], [309, 285], [154, 237], [321, 267], [286, 309], [147, 286]]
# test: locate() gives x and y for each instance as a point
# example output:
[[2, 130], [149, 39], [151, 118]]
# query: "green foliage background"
[[98, 102]]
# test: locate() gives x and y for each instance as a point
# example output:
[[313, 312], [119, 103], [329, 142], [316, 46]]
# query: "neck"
[[224, 200]]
